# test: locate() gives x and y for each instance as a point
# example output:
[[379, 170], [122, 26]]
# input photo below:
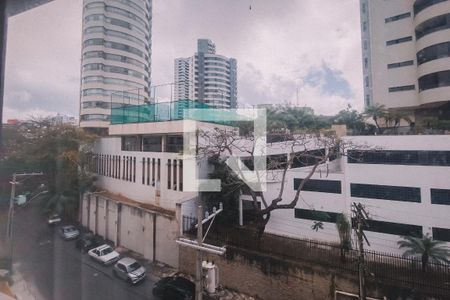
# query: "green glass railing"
[[167, 111]]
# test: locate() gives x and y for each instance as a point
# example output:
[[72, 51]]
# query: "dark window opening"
[[131, 143], [143, 170], [399, 41], [153, 172], [148, 171], [440, 196], [134, 169], [308, 158], [392, 228], [420, 5], [434, 80], [276, 162], [169, 175], [397, 17], [402, 88], [433, 52], [316, 215], [175, 165], [174, 144], [438, 23], [323, 186], [385, 192], [400, 64], [152, 143], [441, 234], [181, 175], [399, 157]]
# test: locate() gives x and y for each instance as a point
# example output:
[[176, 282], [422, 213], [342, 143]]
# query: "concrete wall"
[[278, 281], [146, 232], [111, 232]]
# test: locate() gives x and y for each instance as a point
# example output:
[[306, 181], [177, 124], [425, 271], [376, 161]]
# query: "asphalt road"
[[55, 269]]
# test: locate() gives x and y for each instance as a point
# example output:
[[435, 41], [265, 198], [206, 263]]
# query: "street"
[[54, 269]]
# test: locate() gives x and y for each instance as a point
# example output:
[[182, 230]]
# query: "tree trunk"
[[424, 262], [261, 223]]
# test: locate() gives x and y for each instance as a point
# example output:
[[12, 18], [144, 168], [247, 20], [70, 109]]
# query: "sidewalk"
[[159, 270], [5, 291], [20, 287]]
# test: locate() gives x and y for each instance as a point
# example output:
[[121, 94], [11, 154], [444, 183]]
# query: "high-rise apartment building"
[[406, 56], [207, 77], [116, 52]]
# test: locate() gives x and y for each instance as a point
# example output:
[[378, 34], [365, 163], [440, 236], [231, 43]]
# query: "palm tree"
[[394, 118], [426, 248], [375, 112], [344, 230]]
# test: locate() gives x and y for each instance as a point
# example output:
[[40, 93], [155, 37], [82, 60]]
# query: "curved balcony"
[[433, 39], [435, 96], [432, 66], [434, 87], [422, 8]]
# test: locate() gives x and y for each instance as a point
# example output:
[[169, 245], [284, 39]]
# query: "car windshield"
[[107, 250], [134, 266], [69, 229]]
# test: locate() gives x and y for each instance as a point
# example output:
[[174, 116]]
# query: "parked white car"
[[104, 254], [54, 219]]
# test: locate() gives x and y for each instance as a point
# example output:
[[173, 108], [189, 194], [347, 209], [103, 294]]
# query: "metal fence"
[[188, 224], [380, 267]]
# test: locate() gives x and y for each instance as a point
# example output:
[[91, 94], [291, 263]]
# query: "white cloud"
[[19, 114], [276, 43]]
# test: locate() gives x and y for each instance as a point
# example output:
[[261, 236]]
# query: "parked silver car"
[[69, 232], [130, 270]]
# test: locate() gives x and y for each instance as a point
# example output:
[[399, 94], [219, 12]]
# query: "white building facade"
[[141, 184], [404, 186], [406, 56], [402, 181], [206, 77], [116, 53]]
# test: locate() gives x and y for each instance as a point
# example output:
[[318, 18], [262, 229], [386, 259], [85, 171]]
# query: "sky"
[[282, 46]]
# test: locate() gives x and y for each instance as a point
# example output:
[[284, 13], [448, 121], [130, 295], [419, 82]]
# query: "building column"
[[106, 217], [118, 223], [88, 210], [96, 216]]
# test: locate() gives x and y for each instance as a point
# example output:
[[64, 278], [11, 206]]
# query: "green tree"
[[376, 112], [425, 248], [222, 144], [351, 118], [230, 191], [60, 151], [296, 118]]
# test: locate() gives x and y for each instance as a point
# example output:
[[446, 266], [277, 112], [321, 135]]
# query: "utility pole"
[[198, 273], [201, 246], [360, 218], [10, 223]]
